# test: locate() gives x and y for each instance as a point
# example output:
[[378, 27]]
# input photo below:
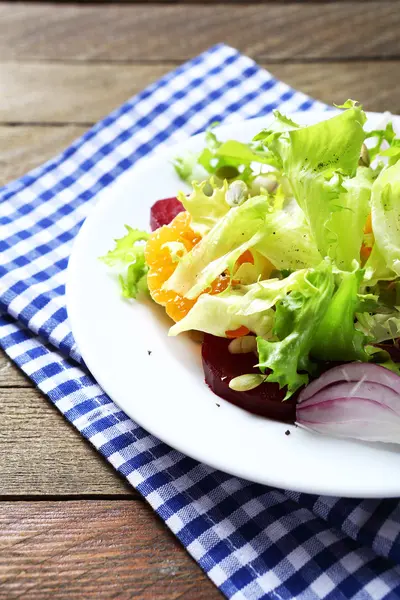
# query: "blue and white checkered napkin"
[[253, 541]]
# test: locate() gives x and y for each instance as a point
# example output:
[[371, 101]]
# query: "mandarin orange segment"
[[219, 284], [161, 267], [178, 307]]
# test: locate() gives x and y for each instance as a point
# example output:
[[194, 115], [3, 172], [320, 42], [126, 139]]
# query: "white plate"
[[165, 391]]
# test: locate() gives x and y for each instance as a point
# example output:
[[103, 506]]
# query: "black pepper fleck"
[[217, 404], [149, 352], [287, 432]]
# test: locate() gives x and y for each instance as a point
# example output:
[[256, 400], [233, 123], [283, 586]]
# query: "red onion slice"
[[365, 409], [352, 372]]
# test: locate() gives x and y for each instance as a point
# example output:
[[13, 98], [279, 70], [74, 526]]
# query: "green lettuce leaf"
[[135, 280], [380, 135], [287, 242], [316, 160], [248, 305], [281, 124], [336, 338], [225, 160], [385, 210], [128, 254], [243, 154], [380, 327], [298, 316], [349, 214], [205, 209], [262, 295], [376, 268], [189, 169], [217, 314], [126, 248], [280, 236]]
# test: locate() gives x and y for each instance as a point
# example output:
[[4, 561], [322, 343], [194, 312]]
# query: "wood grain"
[[162, 32], [22, 149], [93, 550], [46, 455], [84, 93], [69, 93], [374, 84]]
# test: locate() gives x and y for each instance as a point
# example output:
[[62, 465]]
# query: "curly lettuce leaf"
[[217, 315], [349, 214], [379, 136], [205, 209], [380, 327], [336, 338], [128, 254], [225, 160], [280, 124], [126, 248], [298, 316], [243, 154], [287, 242], [280, 236], [135, 280], [265, 294], [188, 168], [316, 160]]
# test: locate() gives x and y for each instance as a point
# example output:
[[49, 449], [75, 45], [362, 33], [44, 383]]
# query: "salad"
[[286, 256]]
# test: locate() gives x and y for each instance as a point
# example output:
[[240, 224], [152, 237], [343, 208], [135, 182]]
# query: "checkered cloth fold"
[[252, 541]]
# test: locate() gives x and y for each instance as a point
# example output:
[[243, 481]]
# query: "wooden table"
[[70, 527]]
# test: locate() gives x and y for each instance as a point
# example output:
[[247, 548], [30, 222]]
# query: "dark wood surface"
[[97, 549], [70, 527]]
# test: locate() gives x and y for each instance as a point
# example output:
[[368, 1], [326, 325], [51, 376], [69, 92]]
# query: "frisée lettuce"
[[302, 225]]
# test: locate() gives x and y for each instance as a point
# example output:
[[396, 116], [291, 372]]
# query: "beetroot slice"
[[220, 366], [164, 211]]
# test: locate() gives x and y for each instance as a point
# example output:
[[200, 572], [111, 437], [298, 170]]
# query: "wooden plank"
[[23, 148], [10, 375], [154, 32], [57, 94], [72, 93], [46, 455], [93, 550], [374, 84]]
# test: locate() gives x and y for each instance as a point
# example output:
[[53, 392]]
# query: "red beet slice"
[[220, 366], [163, 211]]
